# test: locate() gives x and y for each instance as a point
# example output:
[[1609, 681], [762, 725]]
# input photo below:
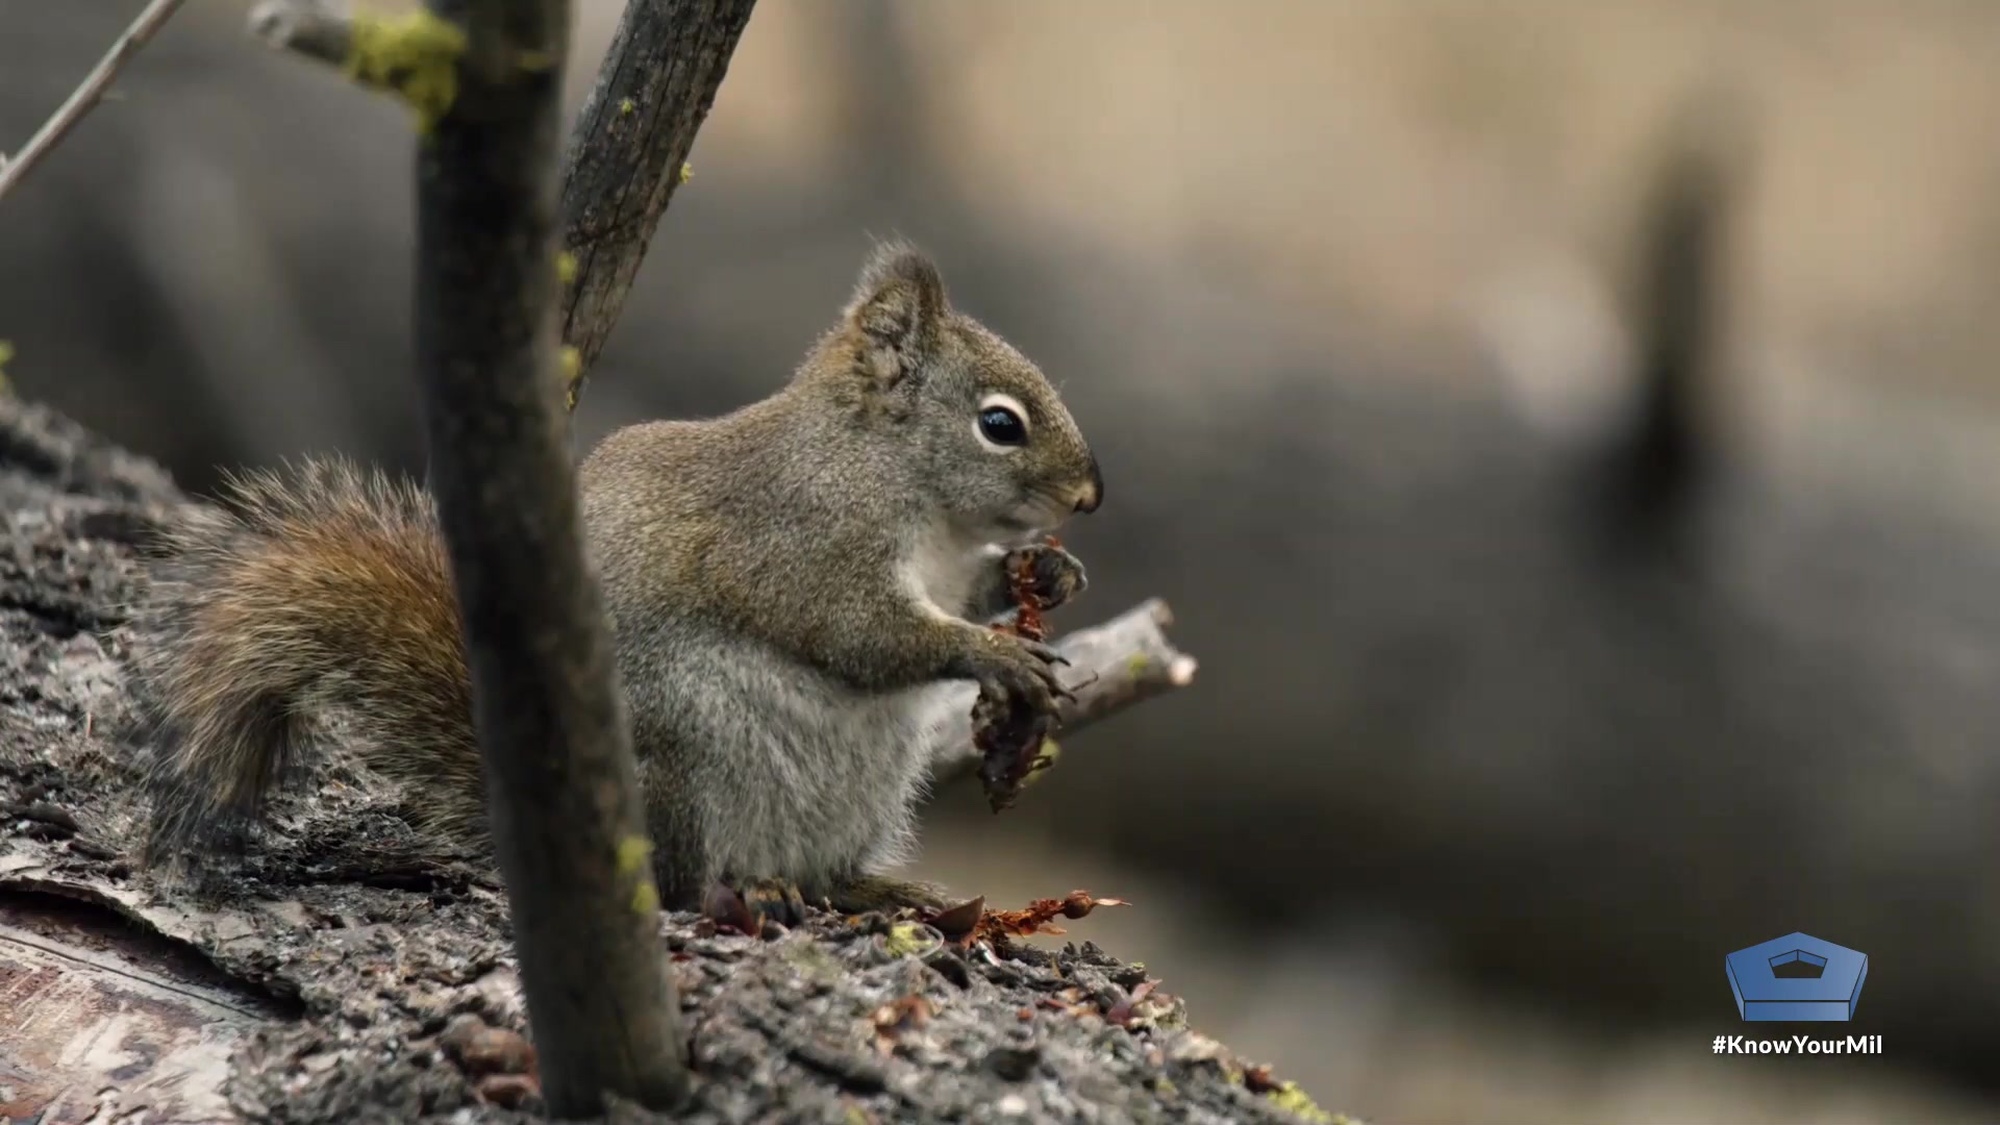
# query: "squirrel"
[[792, 588]]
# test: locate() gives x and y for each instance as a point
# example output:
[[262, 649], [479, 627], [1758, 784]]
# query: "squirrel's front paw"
[[1050, 573], [1014, 674]]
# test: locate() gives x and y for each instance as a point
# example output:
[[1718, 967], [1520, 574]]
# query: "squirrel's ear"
[[898, 305]]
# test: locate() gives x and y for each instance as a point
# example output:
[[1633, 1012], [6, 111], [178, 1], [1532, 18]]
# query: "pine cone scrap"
[[1010, 740], [971, 922], [1028, 621]]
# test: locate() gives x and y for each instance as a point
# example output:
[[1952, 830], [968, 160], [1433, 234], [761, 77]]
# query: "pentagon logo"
[[1796, 978]]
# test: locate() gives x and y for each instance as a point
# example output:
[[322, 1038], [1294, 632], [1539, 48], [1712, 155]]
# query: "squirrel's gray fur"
[[790, 588]]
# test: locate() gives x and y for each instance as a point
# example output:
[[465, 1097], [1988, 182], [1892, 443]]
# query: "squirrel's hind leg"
[[863, 893], [749, 903]]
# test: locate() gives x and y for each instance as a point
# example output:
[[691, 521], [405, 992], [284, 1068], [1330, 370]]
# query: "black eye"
[[1002, 426]]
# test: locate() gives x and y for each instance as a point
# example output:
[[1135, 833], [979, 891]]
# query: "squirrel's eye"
[[1001, 426], [1002, 422]]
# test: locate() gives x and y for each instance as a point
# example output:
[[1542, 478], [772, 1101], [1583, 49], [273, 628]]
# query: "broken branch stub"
[[1124, 661]]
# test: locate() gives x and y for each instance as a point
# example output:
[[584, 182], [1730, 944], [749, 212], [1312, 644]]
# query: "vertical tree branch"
[[628, 150], [1645, 485], [562, 785], [85, 98]]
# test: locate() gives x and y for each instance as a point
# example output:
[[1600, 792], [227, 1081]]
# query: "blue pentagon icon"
[[1796, 978]]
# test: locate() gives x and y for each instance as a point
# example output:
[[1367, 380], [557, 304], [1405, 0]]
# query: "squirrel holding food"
[[793, 589]]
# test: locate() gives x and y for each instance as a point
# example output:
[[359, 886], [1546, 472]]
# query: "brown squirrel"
[[791, 589]]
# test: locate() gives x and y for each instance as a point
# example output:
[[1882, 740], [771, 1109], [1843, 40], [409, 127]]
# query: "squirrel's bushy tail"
[[318, 590]]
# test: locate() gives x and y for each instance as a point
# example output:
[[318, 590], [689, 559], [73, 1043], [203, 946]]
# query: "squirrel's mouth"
[[1024, 525], [1038, 512]]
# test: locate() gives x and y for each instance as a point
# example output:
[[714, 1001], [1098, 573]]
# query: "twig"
[[629, 151], [562, 785], [416, 57], [308, 27], [86, 96], [1124, 661]]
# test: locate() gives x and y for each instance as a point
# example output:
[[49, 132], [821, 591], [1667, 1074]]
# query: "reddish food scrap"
[[893, 1019], [1010, 744], [508, 1091], [1029, 606], [722, 907], [1035, 919], [1009, 740], [480, 1049], [958, 922]]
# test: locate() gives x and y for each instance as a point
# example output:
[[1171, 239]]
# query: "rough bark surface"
[[392, 963]]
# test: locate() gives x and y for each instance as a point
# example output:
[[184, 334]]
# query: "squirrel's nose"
[[1093, 493]]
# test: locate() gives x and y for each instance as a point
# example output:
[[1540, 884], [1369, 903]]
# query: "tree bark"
[[628, 149], [562, 784]]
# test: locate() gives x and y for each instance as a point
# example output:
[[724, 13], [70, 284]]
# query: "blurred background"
[[1566, 434]]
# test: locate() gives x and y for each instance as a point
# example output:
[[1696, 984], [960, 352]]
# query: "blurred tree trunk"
[[567, 820]]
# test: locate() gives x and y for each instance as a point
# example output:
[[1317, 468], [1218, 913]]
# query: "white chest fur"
[[942, 565]]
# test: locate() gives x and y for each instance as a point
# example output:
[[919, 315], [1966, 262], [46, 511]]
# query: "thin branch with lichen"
[[95, 88], [629, 151], [414, 57]]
